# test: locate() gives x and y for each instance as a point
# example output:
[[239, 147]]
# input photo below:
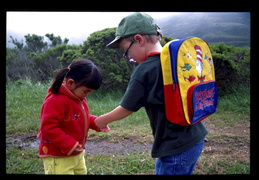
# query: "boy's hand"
[[100, 123]]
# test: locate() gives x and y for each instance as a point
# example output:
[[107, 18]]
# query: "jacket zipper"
[[85, 121]]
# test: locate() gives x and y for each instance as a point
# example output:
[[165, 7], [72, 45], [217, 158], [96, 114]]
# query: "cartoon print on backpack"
[[188, 54], [199, 63], [190, 78], [198, 60], [210, 61], [186, 67]]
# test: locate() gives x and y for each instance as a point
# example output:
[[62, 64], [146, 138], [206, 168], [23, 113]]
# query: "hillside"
[[232, 28]]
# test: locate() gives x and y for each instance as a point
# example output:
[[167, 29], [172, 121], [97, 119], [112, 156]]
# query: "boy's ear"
[[140, 39]]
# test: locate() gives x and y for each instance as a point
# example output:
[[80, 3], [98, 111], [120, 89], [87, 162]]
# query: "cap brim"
[[114, 43]]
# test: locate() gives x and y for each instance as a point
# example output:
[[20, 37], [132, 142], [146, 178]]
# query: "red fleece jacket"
[[64, 124]]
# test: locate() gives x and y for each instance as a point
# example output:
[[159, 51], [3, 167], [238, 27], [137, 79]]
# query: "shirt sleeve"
[[135, 96]]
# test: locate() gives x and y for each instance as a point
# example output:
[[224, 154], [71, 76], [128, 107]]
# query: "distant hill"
[[232, 28]]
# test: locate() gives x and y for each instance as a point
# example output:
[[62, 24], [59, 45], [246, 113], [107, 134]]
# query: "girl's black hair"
[[82, 71]]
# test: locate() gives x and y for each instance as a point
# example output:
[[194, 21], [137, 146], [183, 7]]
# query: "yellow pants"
[[66, 165]]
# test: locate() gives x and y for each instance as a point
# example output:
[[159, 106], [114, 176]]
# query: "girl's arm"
[[116, 114], [52, 115]]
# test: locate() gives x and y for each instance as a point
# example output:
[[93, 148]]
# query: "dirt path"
[[226, 151], [98, 146], [226, 142]]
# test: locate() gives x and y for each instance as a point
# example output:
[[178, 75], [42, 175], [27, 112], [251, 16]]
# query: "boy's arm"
[[96, 128], [116, 114]]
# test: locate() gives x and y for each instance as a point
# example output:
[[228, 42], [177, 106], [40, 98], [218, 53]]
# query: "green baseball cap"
[[136, 23]]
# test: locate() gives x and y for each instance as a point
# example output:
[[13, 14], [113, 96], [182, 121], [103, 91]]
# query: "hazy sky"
[[72, 25]]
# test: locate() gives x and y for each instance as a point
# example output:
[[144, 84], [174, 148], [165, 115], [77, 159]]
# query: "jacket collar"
[[65, 91]]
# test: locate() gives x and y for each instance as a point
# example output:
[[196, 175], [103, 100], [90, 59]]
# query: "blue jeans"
[[180, 164]]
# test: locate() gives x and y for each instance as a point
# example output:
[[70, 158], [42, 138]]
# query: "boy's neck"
[[154, 48]]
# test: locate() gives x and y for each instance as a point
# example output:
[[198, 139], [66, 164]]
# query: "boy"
[[177, 148]]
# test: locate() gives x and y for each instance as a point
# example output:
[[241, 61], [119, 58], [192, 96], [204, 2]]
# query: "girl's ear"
[[70, 84]]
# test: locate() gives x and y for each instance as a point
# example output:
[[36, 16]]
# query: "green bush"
[[115, 69], [232, 66]]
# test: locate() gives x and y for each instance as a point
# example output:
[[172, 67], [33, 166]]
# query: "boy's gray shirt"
[[145, 89]]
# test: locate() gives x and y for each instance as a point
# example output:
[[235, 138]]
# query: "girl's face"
[[80, 92]]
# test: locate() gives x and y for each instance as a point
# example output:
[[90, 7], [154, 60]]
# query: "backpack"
[[190, 89]]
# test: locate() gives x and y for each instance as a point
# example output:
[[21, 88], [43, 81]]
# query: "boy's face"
[[136, 50]]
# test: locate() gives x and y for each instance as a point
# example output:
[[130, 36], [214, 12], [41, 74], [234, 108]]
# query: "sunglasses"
[[126, 55]]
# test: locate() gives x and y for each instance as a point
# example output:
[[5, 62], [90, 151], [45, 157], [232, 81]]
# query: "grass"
[[23, 161], [226, 152], [131, 164], [233, 107], [23, 103]]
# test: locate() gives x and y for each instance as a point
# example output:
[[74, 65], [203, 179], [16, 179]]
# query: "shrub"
[[232, 66]]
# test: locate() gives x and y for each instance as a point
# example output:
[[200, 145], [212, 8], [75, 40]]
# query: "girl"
[[65, 118]]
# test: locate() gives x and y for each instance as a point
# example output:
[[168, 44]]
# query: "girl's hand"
[[106, 129], [100, 123], [78, 149]]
